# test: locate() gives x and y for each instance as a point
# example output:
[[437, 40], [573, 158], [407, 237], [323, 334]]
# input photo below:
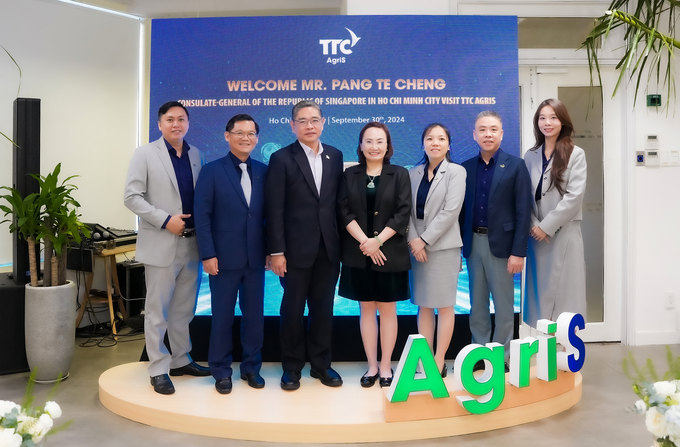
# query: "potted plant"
[[49, 216]]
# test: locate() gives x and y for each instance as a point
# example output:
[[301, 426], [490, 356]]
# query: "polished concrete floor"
[[599, 419]]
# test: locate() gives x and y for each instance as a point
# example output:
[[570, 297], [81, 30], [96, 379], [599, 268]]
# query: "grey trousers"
[[488, 273], [171, 294]]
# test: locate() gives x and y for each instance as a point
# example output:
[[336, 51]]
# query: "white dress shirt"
[[315, 162]]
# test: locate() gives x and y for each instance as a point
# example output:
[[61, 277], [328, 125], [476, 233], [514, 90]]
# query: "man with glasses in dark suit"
[[302, 238]]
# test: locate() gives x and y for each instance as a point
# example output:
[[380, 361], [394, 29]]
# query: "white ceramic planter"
[[50, 330]]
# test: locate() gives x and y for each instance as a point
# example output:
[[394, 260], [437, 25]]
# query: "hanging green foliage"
[[645, 43]]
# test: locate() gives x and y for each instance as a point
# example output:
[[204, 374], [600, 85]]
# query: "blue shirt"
[[480, 210], [424, 190], [185, 182]]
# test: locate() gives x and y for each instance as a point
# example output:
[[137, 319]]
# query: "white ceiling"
[[210, 8]]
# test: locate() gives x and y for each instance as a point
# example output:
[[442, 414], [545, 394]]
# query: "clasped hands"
[[417, 247], [371, 247], [539, 235]]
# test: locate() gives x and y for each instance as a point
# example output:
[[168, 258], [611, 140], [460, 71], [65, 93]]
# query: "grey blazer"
[[151, 192], [556, 209], [442, 207]]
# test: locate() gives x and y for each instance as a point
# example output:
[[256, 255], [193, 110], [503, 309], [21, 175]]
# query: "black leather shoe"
[[162, 384], [386, 381], [290, 380], [191, 369], [369, 381], [223, 386], [479, 366], [255, 380], [444, 371], [328, 377]]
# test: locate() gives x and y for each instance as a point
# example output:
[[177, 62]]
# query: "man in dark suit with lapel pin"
[[302, 238], [229, 206], [495, 226]]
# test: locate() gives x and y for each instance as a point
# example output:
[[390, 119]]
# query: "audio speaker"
[[132, 283], [26, 161]]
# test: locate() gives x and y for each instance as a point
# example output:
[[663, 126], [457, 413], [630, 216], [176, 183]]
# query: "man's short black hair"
[[169, 105], [242, 117]]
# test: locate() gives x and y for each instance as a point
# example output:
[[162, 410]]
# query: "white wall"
[[656, 218], [395, 7], [83, 65]]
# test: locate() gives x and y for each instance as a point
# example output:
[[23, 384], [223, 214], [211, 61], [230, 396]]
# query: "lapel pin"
[[328, 157], [502, 166]]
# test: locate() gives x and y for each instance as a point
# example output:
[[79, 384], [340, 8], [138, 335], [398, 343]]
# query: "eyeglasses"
[[249, 135], [315, 122]]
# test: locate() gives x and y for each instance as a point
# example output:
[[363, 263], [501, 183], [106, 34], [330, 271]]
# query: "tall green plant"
[[26, 221], [644, 43], [60, 223], [51, 216]]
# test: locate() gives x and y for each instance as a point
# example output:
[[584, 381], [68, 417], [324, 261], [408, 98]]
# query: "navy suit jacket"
[[297, 216], [225, 226], [509, 211]]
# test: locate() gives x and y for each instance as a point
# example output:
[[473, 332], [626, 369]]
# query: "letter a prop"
[[405, 381]]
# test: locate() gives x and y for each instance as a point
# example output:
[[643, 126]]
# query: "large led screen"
[[405, 71]]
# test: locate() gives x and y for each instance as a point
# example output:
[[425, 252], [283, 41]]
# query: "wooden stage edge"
[[312, 414]]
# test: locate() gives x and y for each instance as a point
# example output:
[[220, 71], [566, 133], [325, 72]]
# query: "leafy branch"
[[644, 43], [642, 376], [50, 216]]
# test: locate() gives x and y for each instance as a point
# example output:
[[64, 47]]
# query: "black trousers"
[[315, 286]]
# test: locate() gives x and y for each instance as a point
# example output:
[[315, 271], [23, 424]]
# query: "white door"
[[597, 122]]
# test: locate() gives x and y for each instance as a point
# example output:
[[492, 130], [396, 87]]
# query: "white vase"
[[50, 330]]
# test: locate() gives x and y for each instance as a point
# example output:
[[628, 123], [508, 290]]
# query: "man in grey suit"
[[160, 190], [495, 227]]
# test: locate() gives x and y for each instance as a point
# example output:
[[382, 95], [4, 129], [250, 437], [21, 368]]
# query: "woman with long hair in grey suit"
[[556, 274], [438, 190]]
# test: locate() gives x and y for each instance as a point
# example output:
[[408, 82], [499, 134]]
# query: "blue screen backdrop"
[[406, 71]]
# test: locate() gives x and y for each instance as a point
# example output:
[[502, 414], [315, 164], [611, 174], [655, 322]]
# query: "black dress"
[[366, 284]]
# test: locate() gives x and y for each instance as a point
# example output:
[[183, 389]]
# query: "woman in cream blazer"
[[555, 274], [438, 190]]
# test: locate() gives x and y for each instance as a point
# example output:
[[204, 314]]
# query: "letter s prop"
[[567, 323]]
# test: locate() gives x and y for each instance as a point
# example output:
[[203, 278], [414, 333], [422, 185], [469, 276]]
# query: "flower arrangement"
[[24, 425], [659, 399]]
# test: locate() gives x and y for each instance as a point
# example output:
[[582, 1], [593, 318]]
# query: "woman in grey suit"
[[556, 274], [437, 190]]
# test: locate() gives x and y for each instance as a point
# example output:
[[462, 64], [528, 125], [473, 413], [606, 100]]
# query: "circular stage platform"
[[312, 414]]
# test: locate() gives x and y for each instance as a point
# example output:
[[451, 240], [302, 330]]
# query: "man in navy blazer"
[[495, 225], [229, 208], [302, 238]]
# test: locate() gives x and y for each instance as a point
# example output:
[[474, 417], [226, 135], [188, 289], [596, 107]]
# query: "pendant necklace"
[[371, 185]]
